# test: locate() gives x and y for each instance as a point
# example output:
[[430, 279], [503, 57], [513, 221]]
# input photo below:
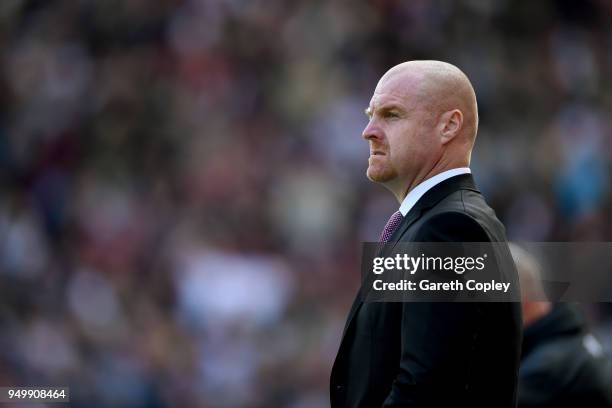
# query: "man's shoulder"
[[469, 202], [449, 225], [569, 368], [463, 214]]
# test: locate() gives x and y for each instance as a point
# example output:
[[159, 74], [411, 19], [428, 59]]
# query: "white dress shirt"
[[416, 193]]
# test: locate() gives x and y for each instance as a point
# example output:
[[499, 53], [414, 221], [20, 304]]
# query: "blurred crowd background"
[[182, 183]]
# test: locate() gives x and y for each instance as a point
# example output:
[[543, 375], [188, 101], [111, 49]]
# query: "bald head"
[[534, 303], [441, 87], [423, 121], [529, 272]]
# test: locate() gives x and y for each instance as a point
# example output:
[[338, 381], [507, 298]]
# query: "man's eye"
[[391, 115]]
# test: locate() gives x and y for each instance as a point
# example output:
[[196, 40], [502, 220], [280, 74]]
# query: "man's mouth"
[[377, 153]]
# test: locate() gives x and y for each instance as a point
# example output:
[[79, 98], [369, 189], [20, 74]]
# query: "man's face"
[[400, 132]]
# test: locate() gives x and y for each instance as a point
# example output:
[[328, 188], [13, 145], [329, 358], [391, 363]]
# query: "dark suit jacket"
[[558, 368], [433, 354]]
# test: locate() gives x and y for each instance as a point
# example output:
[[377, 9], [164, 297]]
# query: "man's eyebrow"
[[390, 106], [385, 108]]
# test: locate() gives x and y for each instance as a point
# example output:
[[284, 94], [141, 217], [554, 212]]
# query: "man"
[[423, 123], [562, 363]]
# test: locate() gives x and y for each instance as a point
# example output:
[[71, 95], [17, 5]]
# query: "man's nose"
[[371, 131]]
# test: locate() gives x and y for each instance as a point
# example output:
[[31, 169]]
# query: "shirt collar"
[[416, 193]]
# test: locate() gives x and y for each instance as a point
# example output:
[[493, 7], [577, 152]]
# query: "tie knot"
[[394, 221]]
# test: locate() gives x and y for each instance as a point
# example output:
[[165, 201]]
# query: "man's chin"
[[380, 175]]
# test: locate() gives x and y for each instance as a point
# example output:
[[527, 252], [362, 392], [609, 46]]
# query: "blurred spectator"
[[180, 199], [562, 363]]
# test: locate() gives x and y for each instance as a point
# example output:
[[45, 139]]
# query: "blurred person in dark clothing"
[[562, 363], [422, 128]]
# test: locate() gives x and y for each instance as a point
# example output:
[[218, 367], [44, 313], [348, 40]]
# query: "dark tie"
[[394, 221]]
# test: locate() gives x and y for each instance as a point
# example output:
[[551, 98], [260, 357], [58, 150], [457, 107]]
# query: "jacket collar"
[[433, 197]]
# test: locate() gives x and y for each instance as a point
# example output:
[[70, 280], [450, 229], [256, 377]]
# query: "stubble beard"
[[381, 173]]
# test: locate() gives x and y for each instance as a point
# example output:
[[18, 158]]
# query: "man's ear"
[[451, 123]]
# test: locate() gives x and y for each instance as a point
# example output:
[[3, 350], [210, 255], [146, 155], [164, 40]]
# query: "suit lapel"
[[429, 199], [408, 220], [356, 305]]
